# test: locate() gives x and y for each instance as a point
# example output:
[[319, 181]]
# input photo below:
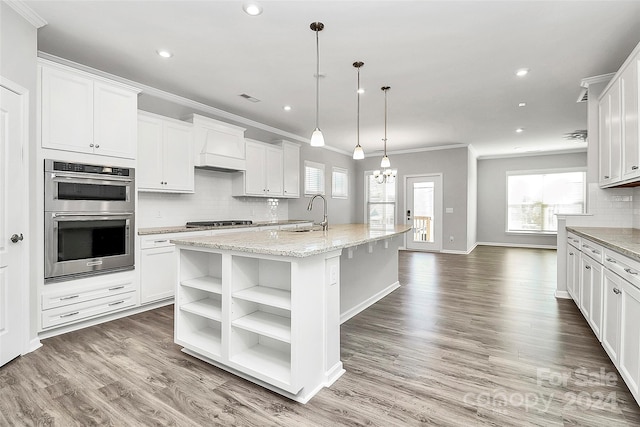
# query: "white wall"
[[492, 194], [18, 50], [472, 200]]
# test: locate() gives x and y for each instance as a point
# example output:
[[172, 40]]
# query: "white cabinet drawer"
[[83, 310], [593, 250], [73, 296], [623, 266], [155, 242], [574, 240]]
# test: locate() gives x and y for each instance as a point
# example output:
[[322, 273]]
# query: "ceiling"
[[450, 64]]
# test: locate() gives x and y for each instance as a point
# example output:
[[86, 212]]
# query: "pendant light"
[[317, 139], [358, 152], [385, 163]]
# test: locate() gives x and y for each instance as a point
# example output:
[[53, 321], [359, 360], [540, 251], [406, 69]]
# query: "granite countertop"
[[183, 229], [625, 241], [294, 244]]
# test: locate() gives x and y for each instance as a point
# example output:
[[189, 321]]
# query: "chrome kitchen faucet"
[[325, 221]]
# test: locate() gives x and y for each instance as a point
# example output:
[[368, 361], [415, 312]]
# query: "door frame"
[[439, 233], [24, 290]]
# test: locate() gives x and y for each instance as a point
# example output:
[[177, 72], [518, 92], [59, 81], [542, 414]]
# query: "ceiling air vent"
[[584, 95], [249, 97], [576, 135]]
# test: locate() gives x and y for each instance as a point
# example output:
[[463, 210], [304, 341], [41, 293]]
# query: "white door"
[[423, 196], [11, 225]]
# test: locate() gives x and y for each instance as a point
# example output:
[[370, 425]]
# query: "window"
[[313, 178], [380, 202], [339, 183], [533, 199]]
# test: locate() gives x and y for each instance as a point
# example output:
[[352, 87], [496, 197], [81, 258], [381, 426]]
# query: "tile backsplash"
[[212, 200]]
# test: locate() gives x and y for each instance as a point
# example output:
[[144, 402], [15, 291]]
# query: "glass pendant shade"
[[358, 153], [385, 163], [317, 139]]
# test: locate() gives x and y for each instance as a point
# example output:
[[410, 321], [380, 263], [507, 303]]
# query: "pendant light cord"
[[358, 118], [385, 122], [317, 80]]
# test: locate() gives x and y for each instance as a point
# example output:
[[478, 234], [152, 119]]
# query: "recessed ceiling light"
[[519, 130], [522, 104], [517, 148], [522, 72], [252, 8], [164, 53], [287, 108]]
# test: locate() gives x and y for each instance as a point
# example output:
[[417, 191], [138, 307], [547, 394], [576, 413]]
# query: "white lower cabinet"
[[611, 318], [629, 361]]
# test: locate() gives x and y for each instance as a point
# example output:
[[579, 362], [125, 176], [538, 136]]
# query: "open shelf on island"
[[266, 295], [266, 324], [206, 307], [267, 361], [205, 283], [200, 333]]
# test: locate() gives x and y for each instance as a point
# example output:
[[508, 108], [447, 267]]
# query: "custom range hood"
[[218, 145]]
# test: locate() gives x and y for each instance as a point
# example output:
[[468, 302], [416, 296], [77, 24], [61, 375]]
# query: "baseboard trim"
[[368, 302], [517, 245], [103, 319], [562, 295], [451, 251]]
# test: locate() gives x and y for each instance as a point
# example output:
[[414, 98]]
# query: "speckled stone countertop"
[[625, 241], [182, 228], [294, 244]]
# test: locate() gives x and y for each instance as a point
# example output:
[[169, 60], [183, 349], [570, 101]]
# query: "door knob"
[[15, 238]]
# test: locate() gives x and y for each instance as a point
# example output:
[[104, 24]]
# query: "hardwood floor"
[[467, 340]]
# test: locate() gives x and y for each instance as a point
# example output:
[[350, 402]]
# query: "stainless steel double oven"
[[89, 219]]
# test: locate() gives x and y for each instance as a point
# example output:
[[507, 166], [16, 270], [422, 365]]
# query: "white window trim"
[[345, 172], [539, 172], [321, 167]]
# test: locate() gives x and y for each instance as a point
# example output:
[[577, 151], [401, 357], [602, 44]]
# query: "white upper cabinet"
[[619, 126], [86, 113], [264, 171], [630, 131], [165, 154], [291, 158]]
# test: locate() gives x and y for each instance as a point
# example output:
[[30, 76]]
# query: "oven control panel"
[[94, 169]]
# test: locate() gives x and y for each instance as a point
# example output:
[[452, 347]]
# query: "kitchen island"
[[267, 305]]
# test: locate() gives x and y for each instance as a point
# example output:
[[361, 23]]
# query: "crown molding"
[[417, 150], [533, 153], [602, 78], [26, 12]]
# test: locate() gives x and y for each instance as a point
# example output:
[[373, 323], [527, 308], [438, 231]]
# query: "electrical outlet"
[[158, 214], [451, 238]]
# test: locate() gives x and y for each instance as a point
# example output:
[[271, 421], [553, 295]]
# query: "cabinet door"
[[616, 133], [576, 277], [158, 274], [274, 171], [571, 257], [178, 157], [604, 125], [611, 315], [115, 121], [67, 111], [149, 173], [631, 143], [585, 286], [255, 176], [291, 157], [595, 314], [629, 364]]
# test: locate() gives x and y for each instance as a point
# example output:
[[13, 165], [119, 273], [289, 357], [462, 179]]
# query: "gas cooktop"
[[194, 224]]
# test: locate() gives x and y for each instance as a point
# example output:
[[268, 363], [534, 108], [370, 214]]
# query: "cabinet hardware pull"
[[570, 253], [116, 303], [69, 314], [69, 297], [588, 267], [628, 270], [595, 252], [611, 260], [116, 288], [97, 145], [91, 145], [606, 177], [616, 291], [633, 168]]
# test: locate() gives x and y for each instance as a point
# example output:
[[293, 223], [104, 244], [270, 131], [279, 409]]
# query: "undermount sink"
[[305, 229]]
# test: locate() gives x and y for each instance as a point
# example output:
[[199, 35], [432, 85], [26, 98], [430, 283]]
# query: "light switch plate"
[[449, 210]]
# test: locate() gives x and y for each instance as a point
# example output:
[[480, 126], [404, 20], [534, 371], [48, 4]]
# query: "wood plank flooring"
[[467, 340]]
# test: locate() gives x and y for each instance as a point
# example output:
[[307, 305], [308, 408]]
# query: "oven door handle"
[[90, 178], [92, 214]]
